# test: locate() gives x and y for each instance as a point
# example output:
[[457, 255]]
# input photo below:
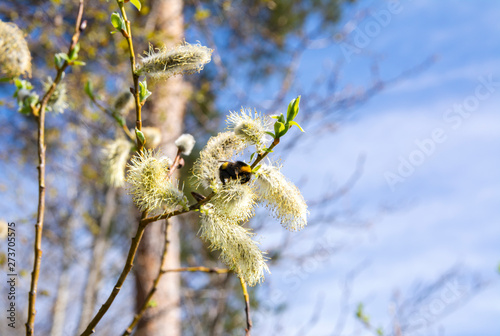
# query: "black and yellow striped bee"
[[238, 170]]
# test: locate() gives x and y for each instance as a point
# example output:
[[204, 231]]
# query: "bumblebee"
[[238, 170]]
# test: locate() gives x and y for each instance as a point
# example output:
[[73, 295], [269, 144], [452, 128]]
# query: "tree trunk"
[[165, 109]]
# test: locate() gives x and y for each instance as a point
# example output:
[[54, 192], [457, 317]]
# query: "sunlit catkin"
[[151, 187], [115, 156], [251, 127], [237, 249], [185, 143], [161, 64], [15, 57], [282, 197]]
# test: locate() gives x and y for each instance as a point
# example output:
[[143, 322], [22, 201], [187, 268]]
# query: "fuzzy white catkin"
[[15, 57], [282, 197], [250, 127], [151, 187], [185, 143], [235, 201], [238, 251], [161, 64], [115, 156]]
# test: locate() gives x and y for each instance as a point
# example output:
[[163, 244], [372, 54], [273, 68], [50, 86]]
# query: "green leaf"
[[140, 136], [256, 168], [59, 59], [271, 134], [279, 129], [281, 118], [144, 93], [293, 109], [296, 124], [359, 310], [89, 90], [117, 21], [251, 156], [275, 117], [268, 150], [78, 63], [73, 55], [137, 4]]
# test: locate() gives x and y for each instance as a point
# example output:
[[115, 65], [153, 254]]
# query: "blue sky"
[[445, 210]]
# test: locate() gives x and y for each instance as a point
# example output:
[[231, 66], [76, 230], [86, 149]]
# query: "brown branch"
[[247, 307], [156, 281], [174, 165], [98, 253], [198, 269], [126, 270], [138, 106], [40, 114], [192, 207], [260, 157]]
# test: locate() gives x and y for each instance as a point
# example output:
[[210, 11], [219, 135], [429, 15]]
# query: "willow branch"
[[153, 290], [192, 207], [138, 106], [110, 113], [198, 269], [261, 156], [39, 112], [247, 307], [174, 165], [119, 283]]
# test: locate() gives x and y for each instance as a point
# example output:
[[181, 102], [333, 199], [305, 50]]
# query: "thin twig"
[[247, 307], [126, 270], [261, 156], [153, 289], [94, 275], [198, 269], [128, 36], [174, 165], [110, 113], [192, 207], [40, 114]]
